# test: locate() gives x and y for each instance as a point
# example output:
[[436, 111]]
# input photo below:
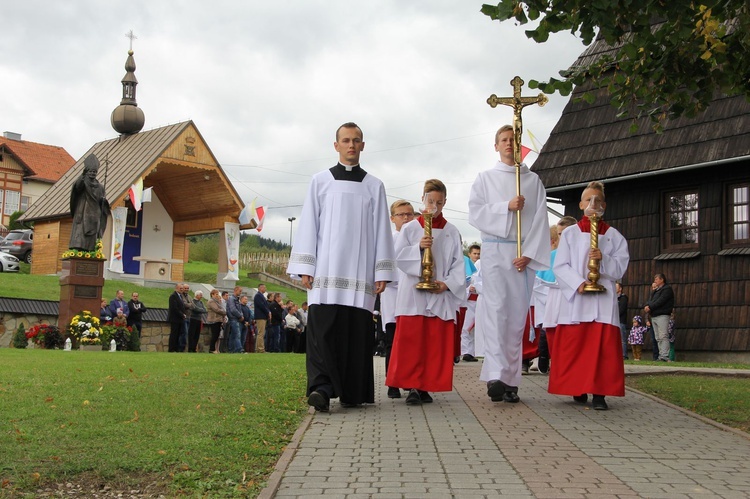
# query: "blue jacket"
[[261, 306]]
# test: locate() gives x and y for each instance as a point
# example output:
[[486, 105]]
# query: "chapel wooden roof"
[[173, 159], [589, 142]]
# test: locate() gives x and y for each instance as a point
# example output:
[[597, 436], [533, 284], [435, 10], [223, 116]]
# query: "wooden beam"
[[202, 225]]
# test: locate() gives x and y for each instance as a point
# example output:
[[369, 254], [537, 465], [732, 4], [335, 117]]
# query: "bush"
[[46, 336], [134, 345], [205, 249], [19, 338]]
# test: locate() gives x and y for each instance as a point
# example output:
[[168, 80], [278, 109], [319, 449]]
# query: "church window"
[[681, 209], [738, 214]]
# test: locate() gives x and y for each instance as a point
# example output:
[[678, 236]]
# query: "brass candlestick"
[[428, 265], [593, 265]]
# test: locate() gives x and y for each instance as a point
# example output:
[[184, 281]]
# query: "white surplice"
[[344, 241], [388, 297], [571, 269], [503, 304], [447, 253]]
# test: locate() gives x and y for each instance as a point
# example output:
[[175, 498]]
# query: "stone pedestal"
[[81, 284]]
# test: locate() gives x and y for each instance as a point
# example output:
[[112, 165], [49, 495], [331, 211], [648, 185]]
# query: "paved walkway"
[[465, 446]]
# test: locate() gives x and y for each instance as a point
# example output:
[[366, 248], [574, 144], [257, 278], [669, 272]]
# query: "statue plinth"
[[81, 284]]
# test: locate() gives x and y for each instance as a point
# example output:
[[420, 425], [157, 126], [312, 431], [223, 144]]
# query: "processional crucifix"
[[517, 103]]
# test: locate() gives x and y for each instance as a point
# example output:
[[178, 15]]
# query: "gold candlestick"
[[593, 265], [428, 265]]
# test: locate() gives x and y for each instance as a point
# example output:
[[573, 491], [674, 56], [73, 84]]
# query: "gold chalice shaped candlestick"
[[594, 212], [426, 282]]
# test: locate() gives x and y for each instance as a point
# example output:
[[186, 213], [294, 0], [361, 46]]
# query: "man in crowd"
[[119, 302], [176, 316], [659, 307], [135, 318], [468, 331], [236, 319], [262, 316]]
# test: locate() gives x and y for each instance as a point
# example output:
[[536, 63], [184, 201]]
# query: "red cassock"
[[587, 358], [422, 355]]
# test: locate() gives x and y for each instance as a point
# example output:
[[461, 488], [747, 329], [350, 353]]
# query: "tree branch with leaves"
[[664, 59]]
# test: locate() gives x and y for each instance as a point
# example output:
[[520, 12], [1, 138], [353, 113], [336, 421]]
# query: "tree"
[[667, 58]]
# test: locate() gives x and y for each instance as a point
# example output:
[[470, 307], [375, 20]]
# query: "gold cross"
[[517, 103]]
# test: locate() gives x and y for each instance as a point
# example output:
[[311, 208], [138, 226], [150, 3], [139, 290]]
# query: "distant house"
[[682, 200], [27, 170]]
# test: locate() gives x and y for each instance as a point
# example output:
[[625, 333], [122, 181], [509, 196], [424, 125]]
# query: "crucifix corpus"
[[517, 103]]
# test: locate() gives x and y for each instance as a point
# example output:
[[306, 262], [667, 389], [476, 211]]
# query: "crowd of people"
[[508, 307], [229, 318]]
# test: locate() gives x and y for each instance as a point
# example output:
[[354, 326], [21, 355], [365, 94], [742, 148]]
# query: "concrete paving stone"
[[484, 449]]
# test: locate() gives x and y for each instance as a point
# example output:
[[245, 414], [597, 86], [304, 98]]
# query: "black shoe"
[[597, 401], [469, 358], [413, 398], [319, 401], [581, 399], [394, 393], [543, 365], [511, 397], [425, 397], [456, 360], [348, 405], [496, 389]]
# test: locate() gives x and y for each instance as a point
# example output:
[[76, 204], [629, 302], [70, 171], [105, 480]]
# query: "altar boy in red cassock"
[[422, 355], [587, 351]]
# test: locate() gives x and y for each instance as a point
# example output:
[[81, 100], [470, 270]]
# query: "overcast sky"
[[267, 84]]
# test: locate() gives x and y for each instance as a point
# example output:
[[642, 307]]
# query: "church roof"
[[589, 142], [188, 185], [43, 162]]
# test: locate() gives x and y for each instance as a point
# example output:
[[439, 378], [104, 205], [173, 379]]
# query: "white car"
[[8, 262]]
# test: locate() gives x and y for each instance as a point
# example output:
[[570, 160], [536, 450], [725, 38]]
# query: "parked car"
[[8, 262], [19, 244]]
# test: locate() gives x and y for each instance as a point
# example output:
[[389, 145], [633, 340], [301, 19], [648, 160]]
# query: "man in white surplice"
[[503, 304], [343, 252]]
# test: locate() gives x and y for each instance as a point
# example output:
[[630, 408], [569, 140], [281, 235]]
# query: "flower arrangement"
[[121, 335], [97, 253], [45, 336], [85, 328]]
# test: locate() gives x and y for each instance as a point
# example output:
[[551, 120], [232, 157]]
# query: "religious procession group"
[[346, 254]]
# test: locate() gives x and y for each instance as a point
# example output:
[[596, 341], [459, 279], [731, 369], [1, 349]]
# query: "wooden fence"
[[271, 263]]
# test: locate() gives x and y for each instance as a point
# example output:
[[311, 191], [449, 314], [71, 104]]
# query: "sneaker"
[[319, 401], [534, 367], [413, 398], [425, 397], [581, 399], [469, 358], [597, 401], [394, 393]]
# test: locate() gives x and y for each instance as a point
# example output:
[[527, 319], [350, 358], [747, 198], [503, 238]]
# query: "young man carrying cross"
[[503, 305]]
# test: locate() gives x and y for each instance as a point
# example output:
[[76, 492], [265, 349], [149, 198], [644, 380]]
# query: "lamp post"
[[291, 225]]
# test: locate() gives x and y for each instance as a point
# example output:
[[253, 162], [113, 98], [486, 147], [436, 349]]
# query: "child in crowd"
[[120, 320], [635, 338], [671, 336]]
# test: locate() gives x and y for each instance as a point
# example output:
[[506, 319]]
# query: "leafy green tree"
[[669, 58], [14, 224]]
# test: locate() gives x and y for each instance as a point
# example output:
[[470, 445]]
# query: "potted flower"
[[84, 327], [45, 336]]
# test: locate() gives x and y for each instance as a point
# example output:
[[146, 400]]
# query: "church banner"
[[119, 216], [232, 240]]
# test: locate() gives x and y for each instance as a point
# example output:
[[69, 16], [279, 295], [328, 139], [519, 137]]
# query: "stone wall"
[[154, 337]]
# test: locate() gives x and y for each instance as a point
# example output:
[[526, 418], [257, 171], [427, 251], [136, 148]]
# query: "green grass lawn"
[[721, 398], [47, 287], [195, 424]]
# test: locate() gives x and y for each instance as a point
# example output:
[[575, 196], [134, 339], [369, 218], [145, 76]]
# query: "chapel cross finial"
[[132, 37]]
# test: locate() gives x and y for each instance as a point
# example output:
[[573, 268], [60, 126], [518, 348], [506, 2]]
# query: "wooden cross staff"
[[517, 103]]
